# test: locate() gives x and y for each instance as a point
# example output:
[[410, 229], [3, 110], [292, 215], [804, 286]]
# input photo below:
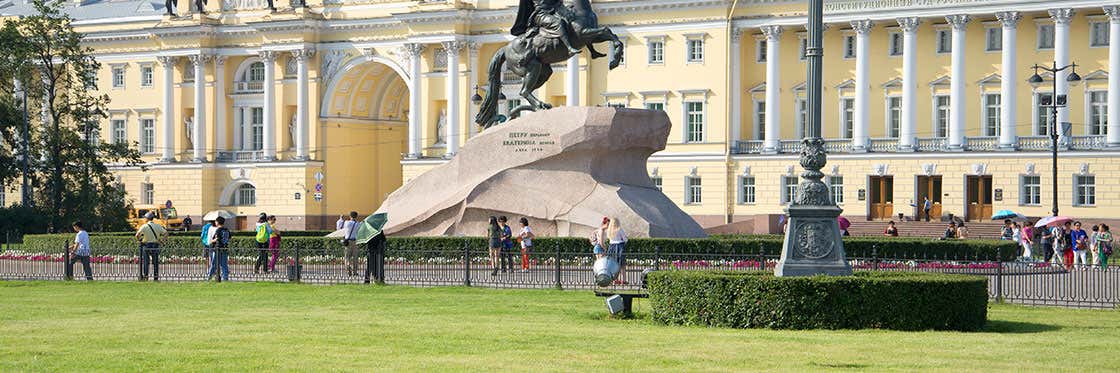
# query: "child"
[[526, 238]]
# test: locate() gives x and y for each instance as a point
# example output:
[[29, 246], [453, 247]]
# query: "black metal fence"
[[1021, 281]]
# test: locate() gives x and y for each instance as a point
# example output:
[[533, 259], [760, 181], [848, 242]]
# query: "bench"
[[627, 300]]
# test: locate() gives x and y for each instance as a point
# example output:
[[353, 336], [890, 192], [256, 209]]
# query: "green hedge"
[[884, 300], [571, 246]]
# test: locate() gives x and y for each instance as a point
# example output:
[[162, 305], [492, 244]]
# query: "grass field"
[[52, 326]]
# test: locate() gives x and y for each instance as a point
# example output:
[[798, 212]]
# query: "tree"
[[68, 161]]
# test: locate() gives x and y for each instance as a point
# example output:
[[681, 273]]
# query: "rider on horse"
[[545, 15]]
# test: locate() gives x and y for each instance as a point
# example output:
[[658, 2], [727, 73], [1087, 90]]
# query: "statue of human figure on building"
[[441, 125], [189, 126], [292, 130], [170, 6]]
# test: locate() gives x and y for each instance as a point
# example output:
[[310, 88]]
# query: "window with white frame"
[[118, 77], [120, 131], [694, 115], [836, 189], [895, 44], [1043, 116], [760, 50], [993, 39], [655, 106], [944, 41], [1098, 112], [656, 182], [147, 193], [146, 76], [93, 137], [789, 189], [1098, 34], [256, 72], [802, 106], [256, 122], [760, 119], [1030, 190], [693, 192], [894, 117], [991, 114], [1084, 190], [696, 50], [941, 116], [246, 195], [847, 116], [803, 47], [849, 46], [1045, 36], [147, 136], [747, 190], [656, 51]]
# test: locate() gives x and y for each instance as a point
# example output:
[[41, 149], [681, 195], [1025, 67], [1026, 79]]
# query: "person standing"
[[350, 242], [219, 242], [1008, 230], [263, 233], [1080, 241], [598, 235], [187, 222], [1027, 235], [1094, 233], [962, 231], [507, 244], [1104, 246], [150, 235], [205, 239], [526, 238], [494, 239], [340, 223], [617, 248], [81, 250], [1067, 245], [273, 243], [926, 206]]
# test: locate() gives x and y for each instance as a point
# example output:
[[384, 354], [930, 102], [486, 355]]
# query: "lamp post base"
[[813, 244]]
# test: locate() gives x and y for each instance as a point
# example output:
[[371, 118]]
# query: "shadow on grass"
[[839, 365], [1017, 327]]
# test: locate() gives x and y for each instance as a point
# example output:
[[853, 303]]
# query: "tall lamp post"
[[1053, 103]]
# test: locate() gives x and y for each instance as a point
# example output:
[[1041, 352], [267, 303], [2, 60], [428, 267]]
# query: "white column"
[[571, 81], [220, 123], [957, 106], [472, 66], [168, 65], [199, 138], [860, 138], [1009, 80], [302, 118], [771, 143], [736, 90], [454, 100], [269, 146], [1113, 13], [412, 52], [1061, 19], [909, 26]]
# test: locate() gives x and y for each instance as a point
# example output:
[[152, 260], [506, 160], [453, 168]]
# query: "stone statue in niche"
[[189, 126], [441, 125], [292, 131]]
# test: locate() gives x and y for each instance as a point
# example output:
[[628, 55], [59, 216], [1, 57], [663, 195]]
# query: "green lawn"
[[52, 326]]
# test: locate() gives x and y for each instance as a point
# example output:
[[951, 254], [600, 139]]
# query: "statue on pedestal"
[[189, 127]]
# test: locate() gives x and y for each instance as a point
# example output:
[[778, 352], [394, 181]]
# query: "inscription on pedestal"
[[528, 142]]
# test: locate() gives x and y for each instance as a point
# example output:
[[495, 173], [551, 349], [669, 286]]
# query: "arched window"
[[256, 72], [245, 195]]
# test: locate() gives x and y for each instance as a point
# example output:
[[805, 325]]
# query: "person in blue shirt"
[[1080, 240], [219, 244], [507, 244]]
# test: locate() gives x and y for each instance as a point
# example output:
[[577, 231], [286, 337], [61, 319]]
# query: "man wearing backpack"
[[150, 235], [219, 243], [264, 232]]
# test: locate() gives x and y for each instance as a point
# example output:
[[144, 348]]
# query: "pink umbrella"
[[1051, 221], [844, 223]]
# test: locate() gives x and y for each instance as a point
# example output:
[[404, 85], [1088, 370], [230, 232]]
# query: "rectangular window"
[[94, 137], [1030, 190], [747, 194], [1043, 117], [696, 50], [257, 123], [1045, 36], [694, 112], [655, 106], [656, 52], [896, 44], [849, 46], [147, 193], [760, 50], [847, 108], [994, 39], [120, 131], [1084, 190], [803, 116], [147, 136], [1098, 34], [656, 182], [803, 46], [118, 77], [760, 118], [693, 191], [991, 114], [941, 116], [836, 189], [944, 41], [789, 189], [146, 76], [1098, 112], [894, 104]]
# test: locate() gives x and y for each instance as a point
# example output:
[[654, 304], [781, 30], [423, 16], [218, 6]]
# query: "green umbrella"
[[371, 227]]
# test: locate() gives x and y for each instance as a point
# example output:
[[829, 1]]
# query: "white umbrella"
[[337, 234], [213, 215]]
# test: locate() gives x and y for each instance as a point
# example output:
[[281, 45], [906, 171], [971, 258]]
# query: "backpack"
[[263, 233], [205, 235]]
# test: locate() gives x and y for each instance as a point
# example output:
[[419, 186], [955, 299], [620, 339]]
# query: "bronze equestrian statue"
[[548, 31]]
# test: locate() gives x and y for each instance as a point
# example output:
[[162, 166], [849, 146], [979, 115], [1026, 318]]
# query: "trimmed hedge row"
[[881, 300], [855, 247]]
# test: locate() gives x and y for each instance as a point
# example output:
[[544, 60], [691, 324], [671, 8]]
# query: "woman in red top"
[[891, 230]]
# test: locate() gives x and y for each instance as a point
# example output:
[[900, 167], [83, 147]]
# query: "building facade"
[[326, 106]]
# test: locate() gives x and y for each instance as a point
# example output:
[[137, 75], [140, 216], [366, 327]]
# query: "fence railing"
[[1021, 281]]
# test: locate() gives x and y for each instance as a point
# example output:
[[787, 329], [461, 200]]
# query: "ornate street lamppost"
[[813, 244], [1053, 103]]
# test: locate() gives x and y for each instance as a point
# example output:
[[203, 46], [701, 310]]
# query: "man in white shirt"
[[350, 229], [81, 251]]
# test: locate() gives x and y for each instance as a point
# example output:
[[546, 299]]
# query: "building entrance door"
[[929, 186], [979, 197], [881, 197]]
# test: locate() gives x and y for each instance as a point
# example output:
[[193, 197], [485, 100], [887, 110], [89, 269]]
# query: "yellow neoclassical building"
[[320, 107]]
